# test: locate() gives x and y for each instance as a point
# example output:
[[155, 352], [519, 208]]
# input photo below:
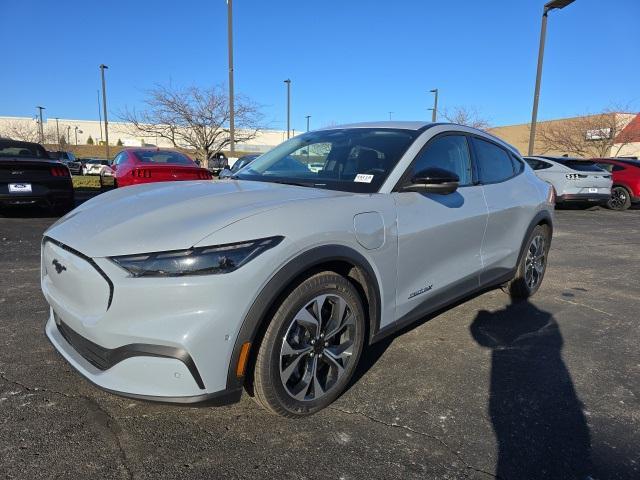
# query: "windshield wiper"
[[289, 182]]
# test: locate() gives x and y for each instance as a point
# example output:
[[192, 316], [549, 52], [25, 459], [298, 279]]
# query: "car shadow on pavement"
[[540, 427]]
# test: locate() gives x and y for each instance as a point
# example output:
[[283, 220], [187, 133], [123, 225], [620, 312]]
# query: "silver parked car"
[[573, 179], [279, 277]]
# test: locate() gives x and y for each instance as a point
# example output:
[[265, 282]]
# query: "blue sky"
[[348, 61]]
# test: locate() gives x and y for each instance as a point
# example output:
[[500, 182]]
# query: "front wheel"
[[620, 199], [532, 265], [311, 347]]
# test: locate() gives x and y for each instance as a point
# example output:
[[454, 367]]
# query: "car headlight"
[[195, 261]]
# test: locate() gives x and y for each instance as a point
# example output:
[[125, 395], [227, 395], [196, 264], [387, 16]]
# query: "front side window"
[[449, 152], [606, 166], [494, 163], [351, 160]]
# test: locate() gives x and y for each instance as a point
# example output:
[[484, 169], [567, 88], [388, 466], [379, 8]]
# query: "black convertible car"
[[28, 176]]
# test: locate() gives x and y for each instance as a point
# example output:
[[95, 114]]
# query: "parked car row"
[[614, 182]]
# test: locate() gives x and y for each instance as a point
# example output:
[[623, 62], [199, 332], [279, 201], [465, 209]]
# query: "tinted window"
[[606, 166], [162, 156], [579, 165], [120, 158], [348, 159], [450, 152], [494, 163], [536, 164], [617, 168], [9, 148]]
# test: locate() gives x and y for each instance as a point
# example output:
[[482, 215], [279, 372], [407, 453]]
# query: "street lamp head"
[[102, 65], [434, 90], [41, 108], [288, 80], [557, 4]]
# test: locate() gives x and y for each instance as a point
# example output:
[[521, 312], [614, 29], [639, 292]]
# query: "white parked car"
[[573, 179], [94, 167], [279, 277]]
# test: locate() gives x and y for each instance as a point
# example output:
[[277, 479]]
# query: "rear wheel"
[[311, 347], [533, 264], [620, 199]]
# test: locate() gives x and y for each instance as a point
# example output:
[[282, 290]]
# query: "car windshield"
[[19, 149], [162, 157], [350, 160], [99, 162], [577, 164], [241, 162]]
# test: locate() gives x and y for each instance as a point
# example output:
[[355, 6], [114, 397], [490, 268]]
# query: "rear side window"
[[536, 164], [606, 166], [494, 163]]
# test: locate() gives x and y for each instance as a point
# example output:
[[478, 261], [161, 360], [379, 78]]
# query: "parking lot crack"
[[417, 432], [31, 389]]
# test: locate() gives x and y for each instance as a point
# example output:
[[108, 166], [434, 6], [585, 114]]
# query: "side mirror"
[[433, 180], [225, 173]]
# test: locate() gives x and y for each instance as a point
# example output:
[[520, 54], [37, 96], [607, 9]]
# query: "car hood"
[[169, 216]]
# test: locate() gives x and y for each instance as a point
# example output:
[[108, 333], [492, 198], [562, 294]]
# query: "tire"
[[532, 265], [620, 198], [298, 370]]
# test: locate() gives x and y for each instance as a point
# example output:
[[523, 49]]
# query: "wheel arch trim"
[[283, 279]]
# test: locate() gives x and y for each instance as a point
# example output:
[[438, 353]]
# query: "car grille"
[[94, 354]]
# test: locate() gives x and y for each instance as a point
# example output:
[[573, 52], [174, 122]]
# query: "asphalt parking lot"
[[544, 389]]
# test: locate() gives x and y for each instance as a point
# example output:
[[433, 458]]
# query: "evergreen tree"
[[90, 140]]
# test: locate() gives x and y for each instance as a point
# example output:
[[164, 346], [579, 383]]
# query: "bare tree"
[[466, 116], [26, 131], [593, 135], [194, 118]]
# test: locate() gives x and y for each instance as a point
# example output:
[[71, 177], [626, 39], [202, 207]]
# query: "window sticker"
[[363, 178]]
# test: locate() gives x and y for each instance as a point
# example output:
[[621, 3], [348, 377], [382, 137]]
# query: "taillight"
[[59, 172], [551, 195], [141, 173], [205, 175]]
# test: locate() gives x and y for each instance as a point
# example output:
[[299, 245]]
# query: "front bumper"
[[144, 367], [162, 339], [583, 197]]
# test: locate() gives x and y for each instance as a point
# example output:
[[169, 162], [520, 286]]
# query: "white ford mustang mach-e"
[[278, 277]]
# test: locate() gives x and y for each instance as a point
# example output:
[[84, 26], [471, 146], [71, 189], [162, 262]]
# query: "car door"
[[511, 203], [439, 236]]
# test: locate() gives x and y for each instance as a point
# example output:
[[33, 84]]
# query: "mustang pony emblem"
[[59, 267]]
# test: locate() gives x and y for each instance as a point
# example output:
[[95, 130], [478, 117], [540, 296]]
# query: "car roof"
[[404, 125], [421, 126]]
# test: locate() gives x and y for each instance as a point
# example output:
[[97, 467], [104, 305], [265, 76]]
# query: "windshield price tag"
[[363, 178]]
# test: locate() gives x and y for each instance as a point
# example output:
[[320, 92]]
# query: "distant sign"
[[598, 134]]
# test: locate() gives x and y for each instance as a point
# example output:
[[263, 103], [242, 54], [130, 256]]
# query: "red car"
[[145, 165], [626, 181]]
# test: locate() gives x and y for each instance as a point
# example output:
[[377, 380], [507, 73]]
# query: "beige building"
[[609, 134], [79, 131]]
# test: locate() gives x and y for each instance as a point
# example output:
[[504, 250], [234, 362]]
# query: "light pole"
[[57, 133], [308, 117], [552, 5], [434, 110], [288, 82], [77, 130], [99, 114], [68, 134], [232, 127], [390, 113], [41, 127], [104, 110]]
